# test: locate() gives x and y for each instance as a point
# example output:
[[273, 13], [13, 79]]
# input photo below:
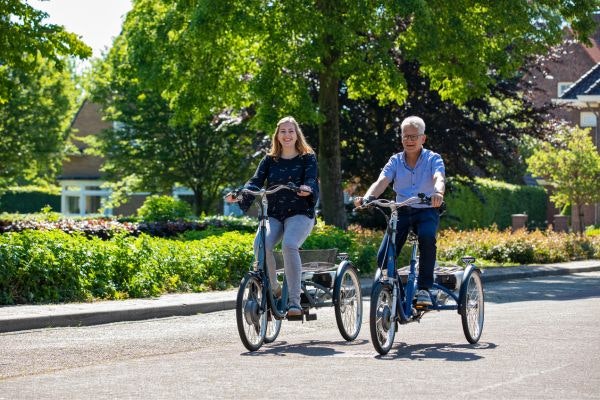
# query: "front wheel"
[[273, 328], [381, 321], [472, 307], [251, 320], [348, 302]]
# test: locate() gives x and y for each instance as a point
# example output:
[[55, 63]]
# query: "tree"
[[23, 35], [273, 52], [34, 121], [36, 92], [483, 137], [151, 150], [572, 165]]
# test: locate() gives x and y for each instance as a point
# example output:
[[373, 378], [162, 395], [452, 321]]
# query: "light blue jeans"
[[291, 233]]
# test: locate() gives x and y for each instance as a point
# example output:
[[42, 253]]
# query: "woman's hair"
[[301, 145]]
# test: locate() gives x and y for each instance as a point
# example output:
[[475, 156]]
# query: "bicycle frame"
[[260, 268], [402, 294]]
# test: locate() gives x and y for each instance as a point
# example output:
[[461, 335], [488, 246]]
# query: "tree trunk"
[[580, 224], [330, 172], [198, 199]]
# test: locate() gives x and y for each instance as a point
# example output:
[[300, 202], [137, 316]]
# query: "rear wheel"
[[383, 325], [348, 303], [472, 307], [251, 321]]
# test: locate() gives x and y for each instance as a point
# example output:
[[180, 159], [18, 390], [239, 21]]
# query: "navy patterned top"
[[300, 170]]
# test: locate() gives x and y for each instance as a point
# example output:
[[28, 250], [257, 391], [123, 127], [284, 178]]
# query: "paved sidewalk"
[[25, 317]]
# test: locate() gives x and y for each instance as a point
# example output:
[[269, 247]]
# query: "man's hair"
[[415, 121]]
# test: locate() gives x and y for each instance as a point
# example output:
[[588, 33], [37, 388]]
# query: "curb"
[[226, 301]]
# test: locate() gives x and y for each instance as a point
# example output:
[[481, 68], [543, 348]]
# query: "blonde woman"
[[291, 215]]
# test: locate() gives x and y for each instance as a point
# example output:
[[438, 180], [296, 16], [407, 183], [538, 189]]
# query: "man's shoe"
[[294, 312], [423, 298]]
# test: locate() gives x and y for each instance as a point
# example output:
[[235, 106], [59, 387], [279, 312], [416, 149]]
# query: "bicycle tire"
[[383, 330], [348, 302], [251, 322], [273, 329], [472, 307]]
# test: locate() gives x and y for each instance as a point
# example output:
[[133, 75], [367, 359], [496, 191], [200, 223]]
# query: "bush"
[[28, 202], [164, 208], [503, 247], [53, 266], [486, 203]]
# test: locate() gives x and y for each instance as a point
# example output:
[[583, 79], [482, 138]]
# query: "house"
[[568, 82], [81, 179], [582, 98]]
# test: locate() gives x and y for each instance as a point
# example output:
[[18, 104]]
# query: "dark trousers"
[[424, 222]]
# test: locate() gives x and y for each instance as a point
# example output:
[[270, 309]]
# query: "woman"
[[291, 214]]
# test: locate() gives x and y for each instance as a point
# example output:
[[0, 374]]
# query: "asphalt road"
[[541, 340]]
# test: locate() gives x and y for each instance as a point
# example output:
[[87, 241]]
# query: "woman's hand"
[[304, 191], [231, 198]]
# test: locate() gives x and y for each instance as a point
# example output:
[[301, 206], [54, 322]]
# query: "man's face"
[[412, 141]]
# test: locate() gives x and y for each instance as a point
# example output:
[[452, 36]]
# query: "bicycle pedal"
[[311, 317]]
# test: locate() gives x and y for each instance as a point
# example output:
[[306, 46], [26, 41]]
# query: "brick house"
[[582, 98], [81, 178], [576, 64]]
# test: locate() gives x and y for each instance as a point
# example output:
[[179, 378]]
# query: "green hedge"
[[28, 202], [486, 203], [54, 266]]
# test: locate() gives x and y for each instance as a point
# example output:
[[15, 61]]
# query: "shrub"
[[164, 208], [54, 266], [486, 202], [27, 202]]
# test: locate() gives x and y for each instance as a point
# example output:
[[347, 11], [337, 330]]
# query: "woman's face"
[[287, 135]]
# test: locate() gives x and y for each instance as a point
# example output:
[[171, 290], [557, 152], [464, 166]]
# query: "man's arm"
[[439, 185], [375, 190]]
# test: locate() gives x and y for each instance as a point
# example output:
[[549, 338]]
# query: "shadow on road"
[[441, 351], [313, 348], [563, 287]]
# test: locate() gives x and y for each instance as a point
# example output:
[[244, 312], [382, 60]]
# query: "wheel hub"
[[251, 312], [386, 318]]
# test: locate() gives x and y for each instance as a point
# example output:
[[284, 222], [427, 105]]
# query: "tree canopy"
[[37, 92], [280, 50], [24, 35], [299, 58], [34, 121], [151, 149]]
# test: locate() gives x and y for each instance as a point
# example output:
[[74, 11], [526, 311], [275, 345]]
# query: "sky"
[[96, 22]]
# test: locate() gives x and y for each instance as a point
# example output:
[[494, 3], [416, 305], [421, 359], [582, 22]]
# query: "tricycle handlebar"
[[262, 192], [421, 199]]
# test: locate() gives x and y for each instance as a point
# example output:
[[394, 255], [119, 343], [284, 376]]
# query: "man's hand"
[[437, 199], [359, 201]]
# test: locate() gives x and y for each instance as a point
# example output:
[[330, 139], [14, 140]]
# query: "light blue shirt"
[[409, 182]]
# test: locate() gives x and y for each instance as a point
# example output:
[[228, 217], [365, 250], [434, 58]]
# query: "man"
[[414, 170]]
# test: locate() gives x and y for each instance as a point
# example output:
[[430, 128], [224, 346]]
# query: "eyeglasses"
[[412, 138]]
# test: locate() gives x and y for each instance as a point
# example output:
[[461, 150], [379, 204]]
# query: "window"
[[93, 204], [562, 87], [73, 204], [587, 118]]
